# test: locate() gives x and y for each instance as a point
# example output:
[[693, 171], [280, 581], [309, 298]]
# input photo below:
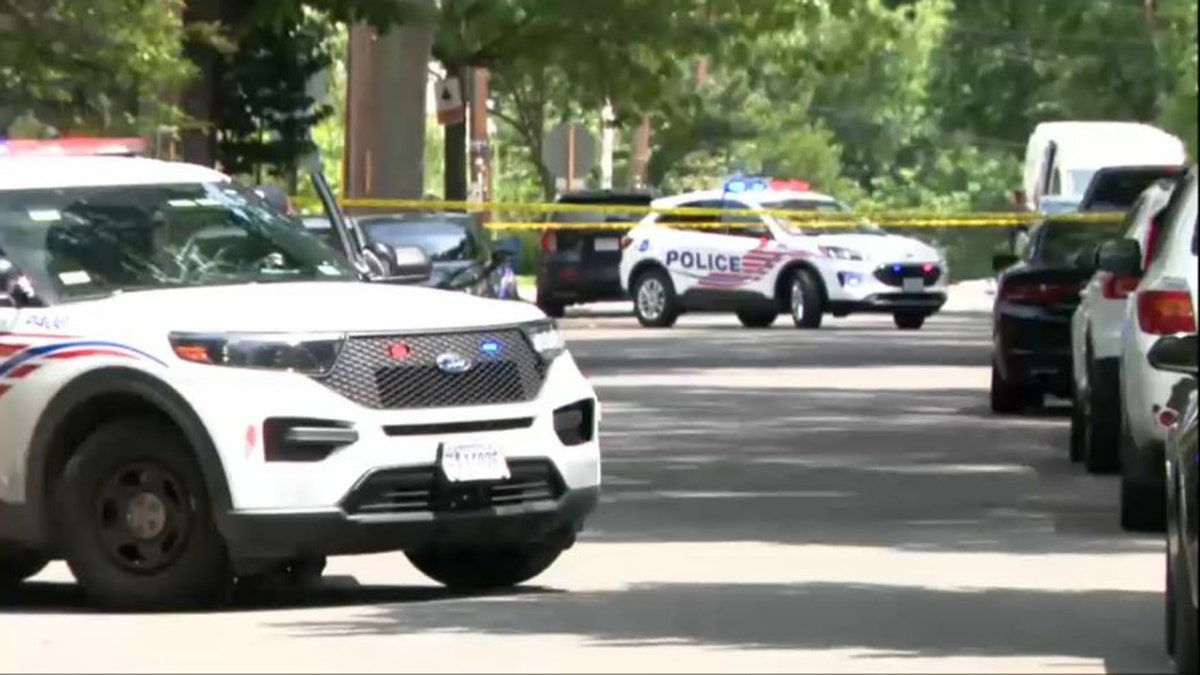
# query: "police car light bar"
[[73, 147], [739, 183]]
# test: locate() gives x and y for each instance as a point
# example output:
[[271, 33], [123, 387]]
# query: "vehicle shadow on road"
[[333, 591], [889, 621]]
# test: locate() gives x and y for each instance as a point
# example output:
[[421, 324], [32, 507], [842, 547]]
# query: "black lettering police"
[[696, 260]]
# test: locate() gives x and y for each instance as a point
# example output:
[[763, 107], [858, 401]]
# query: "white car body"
[[1062, 157], [55, 359], [1144, 390], [1097, 322], [718, 269]]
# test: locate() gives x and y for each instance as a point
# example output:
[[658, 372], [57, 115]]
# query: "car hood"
[[883, 247], [349, 306]]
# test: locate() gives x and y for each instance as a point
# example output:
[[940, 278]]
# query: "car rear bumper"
[[566, 284], [1035, 351], [280, 535]]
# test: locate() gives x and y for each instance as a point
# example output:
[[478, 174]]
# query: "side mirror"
[[1121, 257], [405, 265], [1174, 354], [1003, 261]]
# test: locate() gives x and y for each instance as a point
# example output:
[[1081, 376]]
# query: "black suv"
[[578, 266]]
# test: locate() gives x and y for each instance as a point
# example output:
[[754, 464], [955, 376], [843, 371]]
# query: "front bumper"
[[280, 535], [864, 287]]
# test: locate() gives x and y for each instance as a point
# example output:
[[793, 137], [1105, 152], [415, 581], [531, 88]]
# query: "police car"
[[757, 263], [195, 393]]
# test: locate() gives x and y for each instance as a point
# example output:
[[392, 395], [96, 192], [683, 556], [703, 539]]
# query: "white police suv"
[[757, 263], [196, 393]]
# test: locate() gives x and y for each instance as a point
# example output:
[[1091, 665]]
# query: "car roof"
[[33, 173], [752, 199]]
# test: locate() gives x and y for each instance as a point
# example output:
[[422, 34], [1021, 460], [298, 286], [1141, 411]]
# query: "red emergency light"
[[790, 184], [73, 147]]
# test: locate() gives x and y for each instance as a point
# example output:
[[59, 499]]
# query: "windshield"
[[1063, 241], [81, 242], [817, 206], [443, 240]]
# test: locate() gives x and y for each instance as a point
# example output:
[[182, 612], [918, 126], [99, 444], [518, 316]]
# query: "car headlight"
[[308, 353], [841, 253], [546, 339]]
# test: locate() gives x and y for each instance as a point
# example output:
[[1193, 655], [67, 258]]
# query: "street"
[[837, 500]]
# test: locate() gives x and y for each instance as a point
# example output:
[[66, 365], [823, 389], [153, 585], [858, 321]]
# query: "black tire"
[[1143, 507], [1009, 399], [757, 318], [810, 310], [1102, 435], [553, 311], [17, 565], [660, 307], [486, 568], [1078, 422], [179, 559], [909, 320], [1183, 622]]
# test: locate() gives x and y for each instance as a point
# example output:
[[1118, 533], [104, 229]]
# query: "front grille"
[[421, 489], [370, 374], [894, 275]]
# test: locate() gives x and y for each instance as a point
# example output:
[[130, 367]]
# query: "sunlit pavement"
[[776, 500]]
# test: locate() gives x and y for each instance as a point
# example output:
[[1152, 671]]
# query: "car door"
[[749, 240], [697, 256]]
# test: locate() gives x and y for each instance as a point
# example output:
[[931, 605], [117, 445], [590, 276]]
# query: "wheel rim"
[[142, 517], [797, 299], [652, 298]]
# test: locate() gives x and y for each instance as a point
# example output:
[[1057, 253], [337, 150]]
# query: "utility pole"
[[481, 150]]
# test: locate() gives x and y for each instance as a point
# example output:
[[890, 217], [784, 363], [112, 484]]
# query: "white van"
[[1062, 157]]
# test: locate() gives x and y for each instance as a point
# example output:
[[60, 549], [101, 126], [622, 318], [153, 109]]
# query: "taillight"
[[1116, 287], [625, 242], [1165, 312], [549, 242], [1044, 294]]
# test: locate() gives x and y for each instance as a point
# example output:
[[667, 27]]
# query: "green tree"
[[101, 66]]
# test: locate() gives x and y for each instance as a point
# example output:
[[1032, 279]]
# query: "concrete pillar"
[[385, 112]]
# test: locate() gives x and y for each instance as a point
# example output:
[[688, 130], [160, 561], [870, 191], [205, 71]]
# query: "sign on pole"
[[450, 108], [569, 152]]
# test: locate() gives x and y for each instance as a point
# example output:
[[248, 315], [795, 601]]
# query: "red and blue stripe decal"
[[19, 359]]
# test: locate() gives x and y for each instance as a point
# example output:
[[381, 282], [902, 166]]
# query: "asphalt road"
[[776, 500]]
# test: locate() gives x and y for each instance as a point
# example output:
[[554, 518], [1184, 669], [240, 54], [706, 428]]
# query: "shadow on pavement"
[[895, 620]]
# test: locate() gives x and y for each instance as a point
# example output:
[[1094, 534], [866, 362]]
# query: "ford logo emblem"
[[451, 362]]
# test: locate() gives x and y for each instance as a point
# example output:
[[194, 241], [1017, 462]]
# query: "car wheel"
[[1142, 507], [1007, 398], [486, 568], [757, 319], [804, 300], [909, 320], [1101, 446], [654, 301], [553, 311], [1183, 623], [136, 523], [17, 565]]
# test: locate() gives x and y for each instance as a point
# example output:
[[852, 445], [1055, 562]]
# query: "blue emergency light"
[[739, 183], [489, 347]]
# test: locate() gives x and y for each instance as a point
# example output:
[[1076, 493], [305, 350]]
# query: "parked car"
[[579, 266], [1178, 355], [1096, 343], [1037, 293], [461, 256], [1162, 303]]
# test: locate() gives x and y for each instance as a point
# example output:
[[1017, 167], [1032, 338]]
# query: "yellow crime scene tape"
[[801, 219]]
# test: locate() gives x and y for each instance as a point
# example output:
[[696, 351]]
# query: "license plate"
[[914, 284], [472, 462], [607, 244]]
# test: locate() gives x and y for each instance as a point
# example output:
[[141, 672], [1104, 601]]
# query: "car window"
[[693, 222], [1167, 219], [1061, 242], [84, 242], [442, 239], [814, 206], [744, 224]]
